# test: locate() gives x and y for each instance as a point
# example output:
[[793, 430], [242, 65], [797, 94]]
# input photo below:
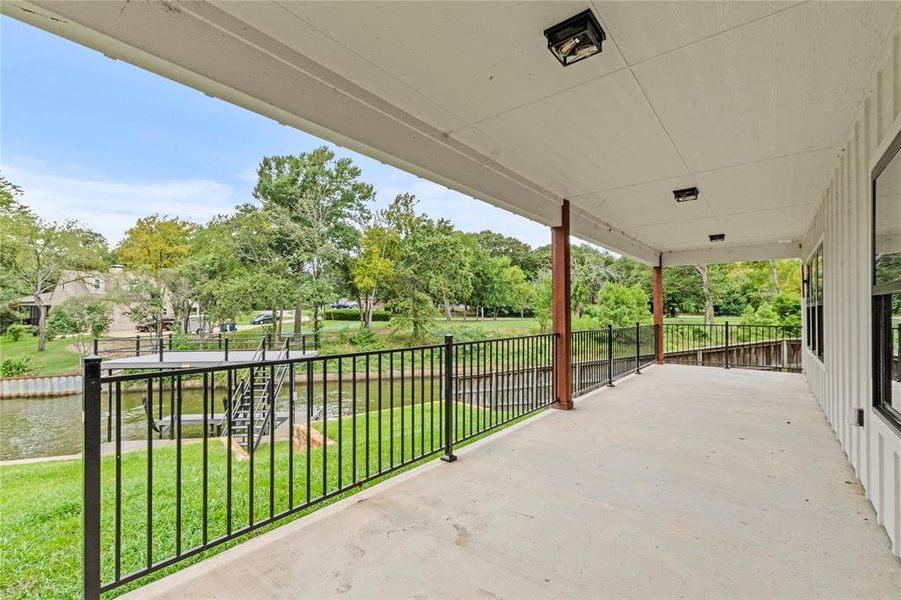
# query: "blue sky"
[[104, 142]]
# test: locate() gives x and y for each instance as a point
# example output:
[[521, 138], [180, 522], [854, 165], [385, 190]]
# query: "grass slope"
[[40, 504]]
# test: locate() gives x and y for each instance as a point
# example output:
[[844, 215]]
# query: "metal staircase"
[[258, 390]]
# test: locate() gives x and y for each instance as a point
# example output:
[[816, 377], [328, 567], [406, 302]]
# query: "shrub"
[[15, 331], [14, 366], [353, 314], [620, 305]]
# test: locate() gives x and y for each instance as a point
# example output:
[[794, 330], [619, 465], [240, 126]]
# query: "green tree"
[[155, 243], [620, 305], [37, 253], [157, 246], [80, 316], [142, 298], [519, 253], [373, 270], [542, 298], [589, 270], [318, 204]]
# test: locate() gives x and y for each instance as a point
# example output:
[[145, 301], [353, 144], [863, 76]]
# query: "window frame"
[[814, 267], [880, 301]]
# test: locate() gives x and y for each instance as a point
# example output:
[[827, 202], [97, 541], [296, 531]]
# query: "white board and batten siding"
[[842, 382]]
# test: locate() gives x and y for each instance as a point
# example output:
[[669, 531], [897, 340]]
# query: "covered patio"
[[682, 481]]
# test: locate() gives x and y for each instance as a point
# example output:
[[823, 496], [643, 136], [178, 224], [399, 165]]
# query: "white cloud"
[[109, 206]]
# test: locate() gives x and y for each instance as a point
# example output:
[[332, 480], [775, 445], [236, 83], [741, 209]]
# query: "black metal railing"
[[333, 424], [153, 345], [601, 356], [771, 347]]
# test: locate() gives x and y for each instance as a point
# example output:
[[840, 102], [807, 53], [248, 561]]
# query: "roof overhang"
[[468, 96]]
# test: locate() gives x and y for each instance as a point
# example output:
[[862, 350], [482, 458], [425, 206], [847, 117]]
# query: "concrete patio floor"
[[682, 482]]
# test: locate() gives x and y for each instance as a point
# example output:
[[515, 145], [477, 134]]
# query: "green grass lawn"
[[57, 359], [40, 503]]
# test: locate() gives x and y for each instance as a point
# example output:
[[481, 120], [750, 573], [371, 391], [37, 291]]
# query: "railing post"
[[268, 342], [138, 344], [91, 479], [727, 344], [288, 350], [96, 345], [226, 349], [637, 347], [161, 349], [609, 355], [219, 342], [170, 340], [448, 399]]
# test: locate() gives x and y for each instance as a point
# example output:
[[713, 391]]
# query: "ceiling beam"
[[728, 254]]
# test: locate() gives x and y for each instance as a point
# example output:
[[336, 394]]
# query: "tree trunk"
[[465, 310], [42, 324], [775, 274], [495, 313], [447, 310], [708, 299], [281, 315], [298, 314]]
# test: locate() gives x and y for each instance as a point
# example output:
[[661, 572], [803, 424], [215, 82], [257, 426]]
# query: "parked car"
[[345, 304], [264, 318], [150, 326]]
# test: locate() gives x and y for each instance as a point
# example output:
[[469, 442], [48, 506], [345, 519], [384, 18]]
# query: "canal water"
[[42, 427], [39, 427]]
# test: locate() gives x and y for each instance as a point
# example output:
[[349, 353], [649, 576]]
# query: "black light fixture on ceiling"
[[575, 38], [717, 237], [686, 194]]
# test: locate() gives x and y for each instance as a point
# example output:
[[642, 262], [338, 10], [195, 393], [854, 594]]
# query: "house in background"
[[79, 284]]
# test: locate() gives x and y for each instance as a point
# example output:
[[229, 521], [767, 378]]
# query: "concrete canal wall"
[[33, 387]]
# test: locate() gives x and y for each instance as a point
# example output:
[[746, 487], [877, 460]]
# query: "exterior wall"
[[842, 383]]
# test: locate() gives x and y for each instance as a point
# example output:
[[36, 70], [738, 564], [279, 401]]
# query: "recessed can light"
[[717, 237]]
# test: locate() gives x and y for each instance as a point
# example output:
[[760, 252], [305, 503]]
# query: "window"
[[887, 283], [813, 290]]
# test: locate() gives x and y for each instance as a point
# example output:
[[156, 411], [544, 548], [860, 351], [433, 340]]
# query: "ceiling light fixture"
[[717, 237], [575, 38], [686, 194]]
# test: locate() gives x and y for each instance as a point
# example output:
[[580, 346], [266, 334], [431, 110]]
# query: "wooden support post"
[[658, 311], [561, 309]]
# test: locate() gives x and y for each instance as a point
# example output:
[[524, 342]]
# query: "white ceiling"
[[746, 100]]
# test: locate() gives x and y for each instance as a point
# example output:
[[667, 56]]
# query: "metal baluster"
[[149, 540], [340, 424], [178, 460], [205, 467], [448, 400]]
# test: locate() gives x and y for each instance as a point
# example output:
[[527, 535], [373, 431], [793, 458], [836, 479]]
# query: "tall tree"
[[519, 253], [155, 243], [708, 297], [156, 246], [373, 270], [318, 204], [39, 253]]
